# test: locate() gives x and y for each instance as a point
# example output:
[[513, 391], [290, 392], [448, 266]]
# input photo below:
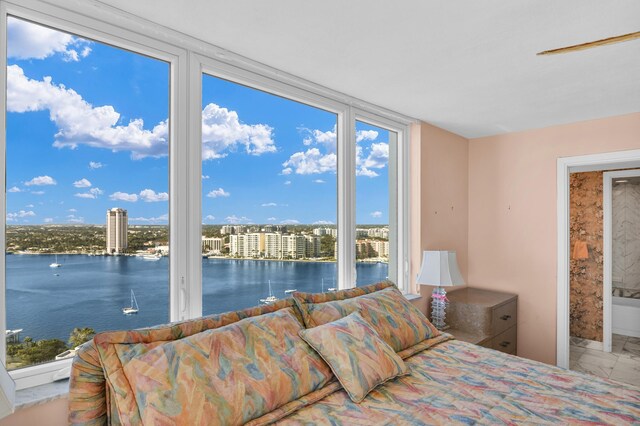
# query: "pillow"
[[356, 354], [398, 322], [117, 348], [228, 375]]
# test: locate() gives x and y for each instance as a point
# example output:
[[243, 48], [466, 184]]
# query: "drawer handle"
[[505, 344], [505, 317]]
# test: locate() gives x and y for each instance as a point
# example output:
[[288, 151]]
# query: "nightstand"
[[484, 317]]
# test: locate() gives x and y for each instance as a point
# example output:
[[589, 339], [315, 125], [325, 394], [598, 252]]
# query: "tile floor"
[[622, 364]]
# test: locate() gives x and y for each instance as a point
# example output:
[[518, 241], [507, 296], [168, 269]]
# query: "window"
[[87, 199], [374, 206], [269, 197], [253, 178]]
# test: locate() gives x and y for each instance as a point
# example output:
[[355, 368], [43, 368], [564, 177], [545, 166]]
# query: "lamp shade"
[[440, 268]]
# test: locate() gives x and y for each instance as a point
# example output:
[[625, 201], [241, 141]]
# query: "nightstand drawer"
[[504, 317], [506, 342]]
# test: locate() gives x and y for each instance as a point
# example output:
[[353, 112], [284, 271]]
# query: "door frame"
[[565, 166]]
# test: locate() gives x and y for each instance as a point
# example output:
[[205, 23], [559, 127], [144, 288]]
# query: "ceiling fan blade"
[[591, 44]]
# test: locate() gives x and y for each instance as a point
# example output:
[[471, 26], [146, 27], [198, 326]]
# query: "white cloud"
[[92, 194], [41, 180], [223, 132], [363, 171], [160, 219], [48, 219], [218, 193], [366, 135], [21, 214], [290, 222], [318, 181], [72, 210], [32, 41], [150, 196], [323, 222], [286, 171], [29, 206], [210, 218], [271, 219], [318, 137], [287, 182], [377, 158], [205, 177], [268, 205], [376, 214], [37, 192], [82, 183], [78, 122], [14, 189], [123, 196], [312, 162], [93, 165], [74, 219], [235, 220]]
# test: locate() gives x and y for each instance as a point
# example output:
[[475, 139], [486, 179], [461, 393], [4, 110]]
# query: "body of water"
[[90, 291]]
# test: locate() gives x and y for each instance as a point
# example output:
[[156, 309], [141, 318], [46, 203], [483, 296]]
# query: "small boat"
[[271, 298], [55, 264], [151, 257], [56, 275], [133, 308], [290, 290], [331, 289]]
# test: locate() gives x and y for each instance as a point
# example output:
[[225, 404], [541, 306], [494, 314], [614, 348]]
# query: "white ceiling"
[[467, 66]]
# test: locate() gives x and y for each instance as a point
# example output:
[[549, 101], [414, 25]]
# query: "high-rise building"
[[212, 245], [117, 227]]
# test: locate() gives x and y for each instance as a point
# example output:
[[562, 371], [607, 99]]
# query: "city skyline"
[[76, 148]]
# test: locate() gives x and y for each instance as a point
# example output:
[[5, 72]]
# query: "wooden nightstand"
[[483, 317]]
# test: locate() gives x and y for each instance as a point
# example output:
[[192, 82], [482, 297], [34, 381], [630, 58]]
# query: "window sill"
[[41, 394], [411, 297]]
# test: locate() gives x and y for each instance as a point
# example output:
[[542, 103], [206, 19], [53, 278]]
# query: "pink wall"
[[439, 202], [512, 216], [52, 413]]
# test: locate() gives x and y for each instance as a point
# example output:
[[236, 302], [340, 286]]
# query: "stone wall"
[[586, 275]]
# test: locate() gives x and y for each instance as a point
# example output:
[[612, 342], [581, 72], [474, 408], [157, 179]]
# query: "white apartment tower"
[[117, 226]]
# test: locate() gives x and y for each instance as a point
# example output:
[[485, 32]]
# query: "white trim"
[[566, 165], [607, 252]]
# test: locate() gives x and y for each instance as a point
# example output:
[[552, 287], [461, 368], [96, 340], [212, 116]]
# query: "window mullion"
[[346, 199]]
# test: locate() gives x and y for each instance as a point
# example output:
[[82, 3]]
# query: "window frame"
[[189, 58], [102, 32]]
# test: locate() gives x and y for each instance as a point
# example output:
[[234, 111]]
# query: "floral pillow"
[[398, 322], [229, 375], [356, 354]]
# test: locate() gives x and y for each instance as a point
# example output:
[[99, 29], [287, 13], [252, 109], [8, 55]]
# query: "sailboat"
[[133, 309], [271, 298], [55, 264]]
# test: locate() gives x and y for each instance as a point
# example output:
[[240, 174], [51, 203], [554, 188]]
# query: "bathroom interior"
[[592, 216]]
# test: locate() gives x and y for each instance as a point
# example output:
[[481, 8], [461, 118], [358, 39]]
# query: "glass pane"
[[87, 192], [269, 197], [374, 207]]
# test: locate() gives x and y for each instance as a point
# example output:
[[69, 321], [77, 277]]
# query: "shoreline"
[[204, 257]]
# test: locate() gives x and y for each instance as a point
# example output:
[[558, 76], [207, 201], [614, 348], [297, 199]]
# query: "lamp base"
[[438, 306]]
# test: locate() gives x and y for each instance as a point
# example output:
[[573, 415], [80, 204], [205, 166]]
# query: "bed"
[[174, 374]]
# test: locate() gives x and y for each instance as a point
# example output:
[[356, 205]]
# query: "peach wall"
[[439, 162], [52, 413], [512, 216]]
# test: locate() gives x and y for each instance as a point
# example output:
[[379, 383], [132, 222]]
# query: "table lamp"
[[440, 269]]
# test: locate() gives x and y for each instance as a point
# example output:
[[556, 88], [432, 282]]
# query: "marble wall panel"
[[626, 235]]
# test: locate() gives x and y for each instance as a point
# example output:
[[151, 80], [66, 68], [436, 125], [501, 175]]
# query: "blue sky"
[[87, 131]]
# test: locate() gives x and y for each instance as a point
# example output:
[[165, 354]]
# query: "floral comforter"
[[460, 383]]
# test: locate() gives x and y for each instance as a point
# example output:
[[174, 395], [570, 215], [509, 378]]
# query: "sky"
[[87, 131]]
